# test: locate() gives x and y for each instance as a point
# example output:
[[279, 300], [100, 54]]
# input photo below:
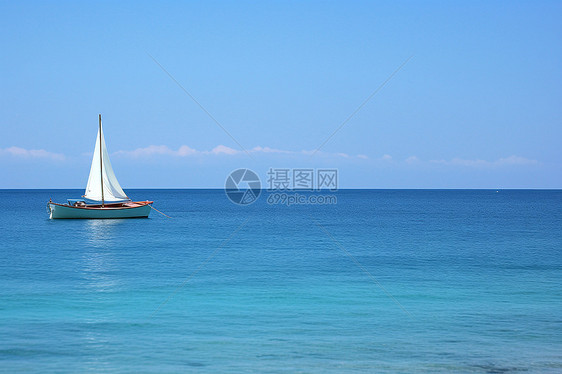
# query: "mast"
[[101, 166]]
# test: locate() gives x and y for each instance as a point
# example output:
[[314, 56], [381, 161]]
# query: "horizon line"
[[323, 190]]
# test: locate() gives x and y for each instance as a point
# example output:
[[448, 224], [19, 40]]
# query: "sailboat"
[[104, 197]]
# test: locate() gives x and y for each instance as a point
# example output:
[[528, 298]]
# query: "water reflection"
[[101, 232], [99, 270]]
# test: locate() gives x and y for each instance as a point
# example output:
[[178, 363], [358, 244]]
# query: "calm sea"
[[382, 281]]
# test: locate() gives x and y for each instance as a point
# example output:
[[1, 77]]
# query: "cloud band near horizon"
[[186, 151]]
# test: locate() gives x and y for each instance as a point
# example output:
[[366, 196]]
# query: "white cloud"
[[516, 160], [223, 149], [511, 160], [184, 151], [269, 150], [31, 153], [151, 150], [386, 158], [461, 162], [412, 160], [364, 157]]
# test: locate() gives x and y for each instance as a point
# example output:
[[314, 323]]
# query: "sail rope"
[[159, 211]]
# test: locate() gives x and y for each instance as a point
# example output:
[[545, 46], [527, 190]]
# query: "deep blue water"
[[383, 281]]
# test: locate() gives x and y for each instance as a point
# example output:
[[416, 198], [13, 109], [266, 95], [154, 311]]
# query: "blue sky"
[[477, 106]]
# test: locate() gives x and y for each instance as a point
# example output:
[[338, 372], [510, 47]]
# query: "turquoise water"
[[384, 281]]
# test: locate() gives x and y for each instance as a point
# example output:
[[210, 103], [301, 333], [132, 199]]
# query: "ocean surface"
[[383, 281]]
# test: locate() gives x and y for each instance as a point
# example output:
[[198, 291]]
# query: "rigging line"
[[159, 211], [363, 104], [200, 106]]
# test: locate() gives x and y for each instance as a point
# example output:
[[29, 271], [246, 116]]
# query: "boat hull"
[[58, 211]]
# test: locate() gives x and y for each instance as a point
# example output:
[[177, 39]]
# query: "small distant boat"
[[104, 197]]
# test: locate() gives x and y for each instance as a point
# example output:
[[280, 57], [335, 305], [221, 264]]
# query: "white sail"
[[112, 191]]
